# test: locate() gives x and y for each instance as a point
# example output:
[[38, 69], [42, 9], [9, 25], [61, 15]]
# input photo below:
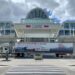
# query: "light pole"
[[7, 55]]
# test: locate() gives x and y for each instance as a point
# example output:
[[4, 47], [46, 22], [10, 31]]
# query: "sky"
[[14, 10]]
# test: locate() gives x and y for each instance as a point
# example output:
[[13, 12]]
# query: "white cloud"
[[61, 10], [16, 9], [71, 7], [18, 1], [44, 3]]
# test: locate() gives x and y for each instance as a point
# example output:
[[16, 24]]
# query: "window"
[[2, 25], [52, 40], [12, 31], [28, 26], [72, 25], [37, 13], [39, 39], [61, 32], [67, 32], [74, 32], [7, 32], [66, 25], [22, 40], [2, 32], [71, 32], [46, 26], [37, 26], [27, 39], [7, 25]]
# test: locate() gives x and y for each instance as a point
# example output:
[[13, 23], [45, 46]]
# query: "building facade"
[[36, 31], [67, 32], [37, 23]]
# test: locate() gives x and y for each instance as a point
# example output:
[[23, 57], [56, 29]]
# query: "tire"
[[57, 55]]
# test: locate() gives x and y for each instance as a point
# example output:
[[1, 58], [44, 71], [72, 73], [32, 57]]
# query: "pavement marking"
[[35, 70]]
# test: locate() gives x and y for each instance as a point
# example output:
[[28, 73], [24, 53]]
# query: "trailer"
[[31, 50]]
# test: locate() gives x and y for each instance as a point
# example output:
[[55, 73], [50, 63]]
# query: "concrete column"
[[74, 49], [11, 45], [49, 40]]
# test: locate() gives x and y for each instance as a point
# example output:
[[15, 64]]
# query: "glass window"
[[72, 25], [38, 14], [7, 32], [74, 32], [7, 25], [67, 32], [71, 32], [12, 31], [39, 39], [61, 32], [2, 32], [2, 25], [52, 40], [37, 26], [66, 25]]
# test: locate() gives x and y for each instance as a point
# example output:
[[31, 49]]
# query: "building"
[[37, 23], [7, 36], [35, 32], [67, 31]]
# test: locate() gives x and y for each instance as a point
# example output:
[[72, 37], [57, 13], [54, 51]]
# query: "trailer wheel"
[[61, 56], [57, 55]]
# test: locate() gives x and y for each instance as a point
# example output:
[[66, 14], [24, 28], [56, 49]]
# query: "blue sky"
[[16, 9]]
